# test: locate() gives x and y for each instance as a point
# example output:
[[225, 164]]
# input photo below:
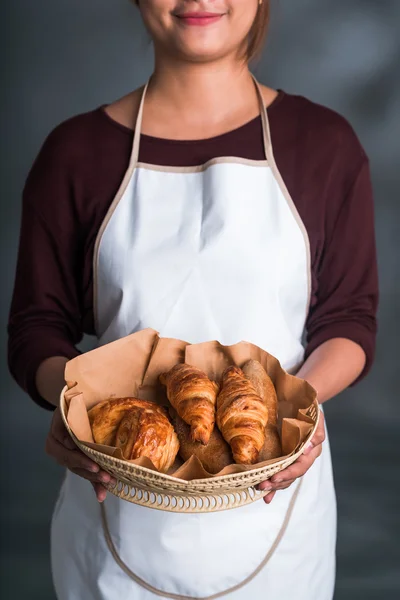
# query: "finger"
[[269, 497], [58, 428], [284, 485], [273, 487], [72, 459], [101, 477], [319, 435], [69, 443], [100, 491], [265, 485], [298, 468], [60, 433]]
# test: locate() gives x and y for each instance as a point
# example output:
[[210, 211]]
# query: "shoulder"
[[68, 140], [91, 131], [324, 131], [68, 171], [315, 143], [77, 147]]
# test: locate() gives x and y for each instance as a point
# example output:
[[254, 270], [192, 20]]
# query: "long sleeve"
[[45, 315], [79, 170], [347, 296]]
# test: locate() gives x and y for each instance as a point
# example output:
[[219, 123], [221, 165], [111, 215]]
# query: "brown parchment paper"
[[131, 367]]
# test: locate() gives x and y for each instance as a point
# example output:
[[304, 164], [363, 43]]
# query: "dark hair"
[[258, 30]]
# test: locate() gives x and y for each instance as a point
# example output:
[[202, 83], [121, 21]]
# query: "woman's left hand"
[[285, 478]]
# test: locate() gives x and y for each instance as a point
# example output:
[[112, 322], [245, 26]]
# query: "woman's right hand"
[[60, 446]]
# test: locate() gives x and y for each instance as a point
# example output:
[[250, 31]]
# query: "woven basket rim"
[[165, 477]]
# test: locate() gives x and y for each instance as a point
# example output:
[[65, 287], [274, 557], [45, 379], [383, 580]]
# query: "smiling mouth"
[[198, 19]]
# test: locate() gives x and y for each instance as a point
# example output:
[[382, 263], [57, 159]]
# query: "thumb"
[[309, 446], [60, 432], [69, 443]]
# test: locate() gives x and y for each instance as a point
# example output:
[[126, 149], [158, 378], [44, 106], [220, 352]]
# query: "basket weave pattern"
[[152, 489]]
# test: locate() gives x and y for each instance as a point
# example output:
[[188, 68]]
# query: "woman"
[[205, 206]]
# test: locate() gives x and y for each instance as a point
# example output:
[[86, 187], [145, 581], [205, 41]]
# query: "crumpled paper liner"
[[131, 367]]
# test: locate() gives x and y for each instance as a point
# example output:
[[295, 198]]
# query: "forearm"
[[332, 367], [50, 379]]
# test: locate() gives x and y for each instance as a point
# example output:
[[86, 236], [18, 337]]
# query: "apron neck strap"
[[264, 120], [265, 123], [138, 127]]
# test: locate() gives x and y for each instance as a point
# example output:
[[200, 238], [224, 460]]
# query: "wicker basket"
[[149, 488]]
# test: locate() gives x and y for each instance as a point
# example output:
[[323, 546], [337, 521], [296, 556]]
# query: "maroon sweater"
[[78, 172]]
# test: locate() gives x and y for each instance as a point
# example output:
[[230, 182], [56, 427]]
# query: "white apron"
[[201, 253]]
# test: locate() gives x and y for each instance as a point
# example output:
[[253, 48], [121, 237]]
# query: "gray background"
[[63, 57]]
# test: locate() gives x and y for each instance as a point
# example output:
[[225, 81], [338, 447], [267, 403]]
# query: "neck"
[[211, 90]]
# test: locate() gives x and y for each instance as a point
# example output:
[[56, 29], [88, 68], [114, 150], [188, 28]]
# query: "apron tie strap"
[[162, 594]]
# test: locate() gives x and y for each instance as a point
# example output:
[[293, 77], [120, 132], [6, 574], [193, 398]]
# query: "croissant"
[[215, 456], [146, 431], [138, 428], [255, 372], [241, 416], [105, 417], [193, 395]]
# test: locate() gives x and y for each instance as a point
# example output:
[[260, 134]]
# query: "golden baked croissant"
[[105, 417], [138, 428], [215, 456], [193, 396], [255, 372], [241, 416], [146, 431]]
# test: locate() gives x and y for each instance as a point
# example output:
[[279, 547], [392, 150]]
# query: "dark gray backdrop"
[[63, 57]]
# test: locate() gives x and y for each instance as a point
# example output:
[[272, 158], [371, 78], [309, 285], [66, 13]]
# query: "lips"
[[199, 18]]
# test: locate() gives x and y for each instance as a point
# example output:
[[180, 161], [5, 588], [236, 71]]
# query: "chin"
[[199, 52]]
